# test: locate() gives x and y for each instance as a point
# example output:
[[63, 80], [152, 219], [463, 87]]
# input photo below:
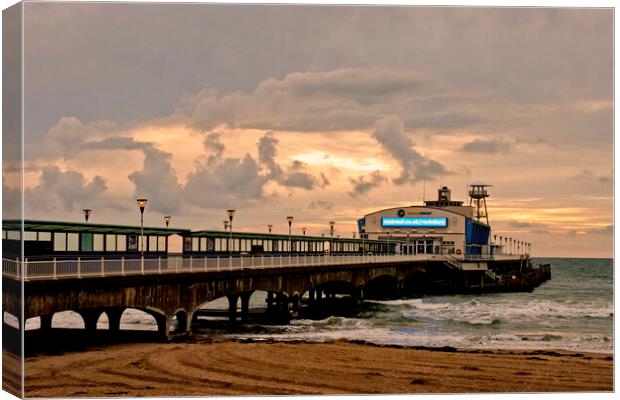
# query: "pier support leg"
[[359, 294], [163, 326], [46, 322], [245, 306], [114, 318], [232, 307], [90, 318]]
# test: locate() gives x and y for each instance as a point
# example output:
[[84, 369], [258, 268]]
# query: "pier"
[[176, 287]]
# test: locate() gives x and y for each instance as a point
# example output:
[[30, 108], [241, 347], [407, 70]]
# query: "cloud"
[[295, 175], [606, 230], [321, 205], [115, 143], [213, 144], [67, 190], [389, 131], [230, 183], [487, 146], [363, 184], [157, 181], [340, 99], [66, 137]]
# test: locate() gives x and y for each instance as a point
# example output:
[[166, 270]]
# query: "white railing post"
[[241, 261], [102, 267], [26, 269], [159, 264], [123, 265], [280, 259], [218, 263], [176, 264], [79, 268], [205, 263], [262, 261], [252, 261], [55, 267], [142, 265], [191, 261]]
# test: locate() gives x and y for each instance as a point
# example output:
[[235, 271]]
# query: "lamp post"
[[231, 214], [167, 218], [353, 235], [225, 222], [303, 230], [270, 227], [142, 205], [86, 213], [331, 233], [363, 235], [289, 219]]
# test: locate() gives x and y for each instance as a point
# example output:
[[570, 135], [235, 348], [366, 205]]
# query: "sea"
[[573, 311]]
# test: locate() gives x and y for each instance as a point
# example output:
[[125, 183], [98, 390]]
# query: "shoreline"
[[220, 366]]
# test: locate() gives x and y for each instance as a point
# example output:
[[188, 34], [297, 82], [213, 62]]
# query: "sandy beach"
[[259, 368]]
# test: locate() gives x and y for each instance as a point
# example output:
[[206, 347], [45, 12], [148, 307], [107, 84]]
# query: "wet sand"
[[259, 368]]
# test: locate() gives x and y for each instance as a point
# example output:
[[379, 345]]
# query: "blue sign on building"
[[415, 222]]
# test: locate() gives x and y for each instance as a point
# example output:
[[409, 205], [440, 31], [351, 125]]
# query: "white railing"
[[102, 267]]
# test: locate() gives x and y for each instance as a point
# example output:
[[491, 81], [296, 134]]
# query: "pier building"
[[441, 226]]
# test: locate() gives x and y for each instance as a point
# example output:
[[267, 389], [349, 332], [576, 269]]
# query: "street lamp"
[[142, 204], [353, 235], [331, 232], [225, 222], [86, 213], [167, 218], [270, 227], [289, 219], [231, 214], [303, 230]]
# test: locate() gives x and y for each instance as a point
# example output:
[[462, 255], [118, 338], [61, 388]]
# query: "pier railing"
[[104, 267]]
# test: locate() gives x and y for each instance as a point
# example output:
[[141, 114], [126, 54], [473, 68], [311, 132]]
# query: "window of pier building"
[[60, 241], [121, 243], [13, 235], [110, 242], [73, 242], [98, 242]]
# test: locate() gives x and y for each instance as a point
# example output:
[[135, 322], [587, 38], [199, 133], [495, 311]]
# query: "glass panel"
[[161, 243], [60, 241], [73, 242], [203, 244], [121, 243], [13, 235], [236, 245], [187, 243], [195, 244], [3, 234], [110, 242], [210, 244], [30, 236], [218, 244], [132, 242], [97, 242], [45, 236], [152, 243], [86, 242]]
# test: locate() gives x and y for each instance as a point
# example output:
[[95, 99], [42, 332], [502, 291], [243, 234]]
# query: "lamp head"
[[141, 204], [86, 213], [289, 219], [167, 218]]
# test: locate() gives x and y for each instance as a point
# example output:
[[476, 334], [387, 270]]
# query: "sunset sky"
[[320, 112]]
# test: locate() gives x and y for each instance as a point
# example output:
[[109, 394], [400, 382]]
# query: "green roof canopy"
[[60, 226]]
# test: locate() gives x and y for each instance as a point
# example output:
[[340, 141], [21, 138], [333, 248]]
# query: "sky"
[[319, 112]]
